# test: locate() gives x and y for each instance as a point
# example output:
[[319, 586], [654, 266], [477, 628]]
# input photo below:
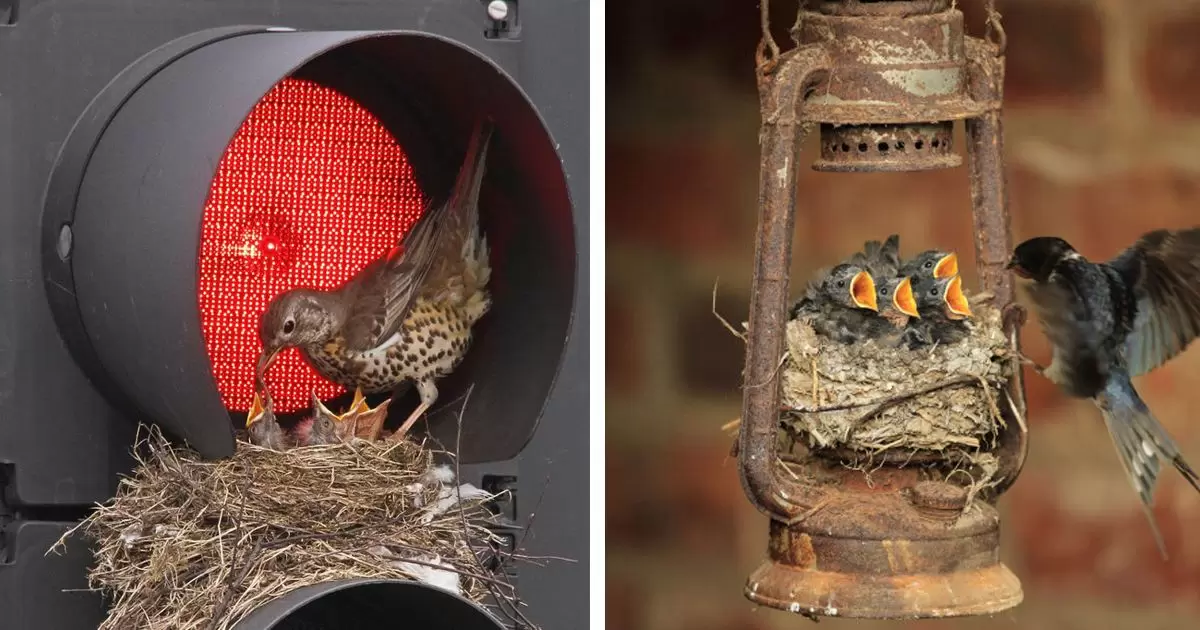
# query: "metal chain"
[[994, 30]]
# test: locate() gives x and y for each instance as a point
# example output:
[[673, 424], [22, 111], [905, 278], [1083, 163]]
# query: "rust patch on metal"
[[791, 547], [938, 500]]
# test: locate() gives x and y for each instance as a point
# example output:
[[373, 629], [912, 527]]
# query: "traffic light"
[[168, 167]]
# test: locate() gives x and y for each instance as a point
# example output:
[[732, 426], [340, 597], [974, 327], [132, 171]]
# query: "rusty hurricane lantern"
[[885, 81]]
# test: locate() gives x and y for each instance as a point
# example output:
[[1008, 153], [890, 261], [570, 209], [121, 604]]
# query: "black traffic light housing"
[[113, 116]]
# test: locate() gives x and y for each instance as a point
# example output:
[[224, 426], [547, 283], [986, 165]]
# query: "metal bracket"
[[505, 526], [7, 514], [13, 513]]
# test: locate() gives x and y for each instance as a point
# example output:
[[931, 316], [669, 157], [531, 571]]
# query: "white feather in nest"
[[441, 475], [448, 497], [445, 579]]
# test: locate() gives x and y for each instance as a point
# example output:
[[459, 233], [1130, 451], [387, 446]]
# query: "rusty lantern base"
[[901, 554]]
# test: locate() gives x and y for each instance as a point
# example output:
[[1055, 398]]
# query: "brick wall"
[[1103, 143]]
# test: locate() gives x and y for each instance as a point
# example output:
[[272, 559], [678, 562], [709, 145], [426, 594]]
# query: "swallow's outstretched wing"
[[1163, 268]]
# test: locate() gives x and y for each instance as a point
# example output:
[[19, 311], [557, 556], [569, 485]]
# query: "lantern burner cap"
[[868, 148]]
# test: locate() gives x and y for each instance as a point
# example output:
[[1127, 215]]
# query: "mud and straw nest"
[[868, 403], [188, 544], [870, 398]]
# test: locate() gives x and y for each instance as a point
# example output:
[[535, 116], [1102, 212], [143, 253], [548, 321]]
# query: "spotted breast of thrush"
[[407, 316]]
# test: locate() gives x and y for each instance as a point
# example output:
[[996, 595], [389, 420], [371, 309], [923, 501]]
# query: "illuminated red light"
[[310, 190]]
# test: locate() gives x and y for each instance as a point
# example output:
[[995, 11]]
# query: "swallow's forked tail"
[[1142, 444]]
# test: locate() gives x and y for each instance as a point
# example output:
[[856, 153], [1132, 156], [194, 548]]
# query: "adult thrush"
[[408, 315]]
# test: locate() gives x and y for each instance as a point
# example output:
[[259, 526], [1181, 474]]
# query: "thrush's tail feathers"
[[478, 304], [465, 204], [1142, 444]]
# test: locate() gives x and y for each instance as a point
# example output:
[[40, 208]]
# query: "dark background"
[[1102, 128]]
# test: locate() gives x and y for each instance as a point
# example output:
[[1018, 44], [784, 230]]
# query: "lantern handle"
[[993, 239], [781, 92]]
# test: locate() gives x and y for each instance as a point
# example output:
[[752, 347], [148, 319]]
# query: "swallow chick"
[[944, 309], [894, 299], [408, 316], [840, 303], [897, 303], [931, 263], [263, 428], [1108, 322], [881, 260]]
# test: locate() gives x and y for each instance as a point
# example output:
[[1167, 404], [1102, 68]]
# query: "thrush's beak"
[[862, 291], [947, 267], [903, 299], [264, 362], [256, 411], [955, 300]]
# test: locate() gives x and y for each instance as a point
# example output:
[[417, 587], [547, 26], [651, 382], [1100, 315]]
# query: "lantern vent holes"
[[887, 147]]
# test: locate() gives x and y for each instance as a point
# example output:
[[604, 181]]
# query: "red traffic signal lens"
[[310, 190]]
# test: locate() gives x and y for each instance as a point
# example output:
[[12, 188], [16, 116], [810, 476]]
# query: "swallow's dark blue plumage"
[[1111, 321]]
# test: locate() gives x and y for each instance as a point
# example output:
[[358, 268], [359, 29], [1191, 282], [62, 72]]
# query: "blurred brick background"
[[1103, 143]]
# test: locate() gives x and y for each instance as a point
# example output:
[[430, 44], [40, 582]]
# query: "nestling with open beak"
[[897, 304], [944, 310], [931, 263], [349, 420], [322, 427], [840, 303], [263, 428], [368, 422], [406, 316], [1108, 322]]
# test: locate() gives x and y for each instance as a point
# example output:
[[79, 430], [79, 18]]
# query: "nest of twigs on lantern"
[[193, 544], [871, 400]]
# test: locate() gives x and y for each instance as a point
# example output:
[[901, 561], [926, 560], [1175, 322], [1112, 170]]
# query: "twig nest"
[[864, 396], [188, 544]]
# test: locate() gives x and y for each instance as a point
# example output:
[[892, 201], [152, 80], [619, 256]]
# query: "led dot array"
[[310, 190]]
